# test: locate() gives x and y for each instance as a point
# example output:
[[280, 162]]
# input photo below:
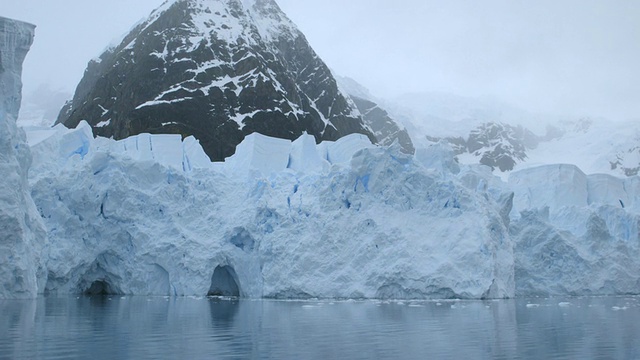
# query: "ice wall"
[[22, 235], [341, 219], [282, 219], [575, 234]]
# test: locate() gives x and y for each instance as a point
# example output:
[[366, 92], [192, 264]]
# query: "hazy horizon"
[[571, 57]]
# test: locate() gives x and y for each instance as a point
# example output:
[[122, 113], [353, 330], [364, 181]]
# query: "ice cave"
[[224, 283]]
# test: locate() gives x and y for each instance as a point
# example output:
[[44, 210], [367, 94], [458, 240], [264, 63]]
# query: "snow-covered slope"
[[41, 107], [217, 70], [278, 219], [594, 145], [22, 236], [447, 115], [506, 138]]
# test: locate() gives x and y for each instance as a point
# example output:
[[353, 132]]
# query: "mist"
[[572, 57]]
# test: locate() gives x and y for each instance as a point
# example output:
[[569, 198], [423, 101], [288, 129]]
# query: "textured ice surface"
[[575, 234], [22, 235], [342, 219], [150, 215]]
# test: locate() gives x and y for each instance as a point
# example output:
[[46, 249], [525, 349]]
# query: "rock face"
[[215, 69], [22, 235], [385, 129], [499, 146]]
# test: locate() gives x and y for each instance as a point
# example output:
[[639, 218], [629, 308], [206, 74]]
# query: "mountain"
[[218, 70], [22, 234], [385, 129], [497, 145], [505, 138], [40, 108]]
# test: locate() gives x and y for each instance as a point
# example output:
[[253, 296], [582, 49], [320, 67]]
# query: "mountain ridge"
[[216, 70]]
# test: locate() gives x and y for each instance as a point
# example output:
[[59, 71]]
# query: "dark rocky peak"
[[385, 129], [500, 145], [497, 145], [218, 70]]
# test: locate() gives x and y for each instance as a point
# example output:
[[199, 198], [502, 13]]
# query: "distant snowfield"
[[592, 148]]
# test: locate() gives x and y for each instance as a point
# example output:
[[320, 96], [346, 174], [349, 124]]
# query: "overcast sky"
[[562, 56]]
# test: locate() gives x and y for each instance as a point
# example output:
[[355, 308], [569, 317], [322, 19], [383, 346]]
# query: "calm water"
[[202, 328]]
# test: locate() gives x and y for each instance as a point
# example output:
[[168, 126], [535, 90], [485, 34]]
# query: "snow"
[[103, 123], [592, 146]]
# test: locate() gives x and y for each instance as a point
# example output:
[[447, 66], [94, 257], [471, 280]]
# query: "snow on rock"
[[217, 70], [22, 235], [575, 234], [307, 223]]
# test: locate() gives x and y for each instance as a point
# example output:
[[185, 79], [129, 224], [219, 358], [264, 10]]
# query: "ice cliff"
[[22, 236], [151, 215], [279, 219], [575, 234]]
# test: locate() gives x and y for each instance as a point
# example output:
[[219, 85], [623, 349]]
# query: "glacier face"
[[151, 215], [341, 219], [22, 235], [575, 234]]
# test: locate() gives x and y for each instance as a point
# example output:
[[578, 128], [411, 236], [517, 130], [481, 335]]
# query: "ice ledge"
[[257, 155], [565, 185]]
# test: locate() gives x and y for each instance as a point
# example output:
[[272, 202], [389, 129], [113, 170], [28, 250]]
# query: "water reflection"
[[107, 327]]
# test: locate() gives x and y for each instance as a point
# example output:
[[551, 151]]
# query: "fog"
[[576, 57]]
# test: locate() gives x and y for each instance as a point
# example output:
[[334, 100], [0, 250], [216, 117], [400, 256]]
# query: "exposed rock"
[[218, 70], [385, 129]]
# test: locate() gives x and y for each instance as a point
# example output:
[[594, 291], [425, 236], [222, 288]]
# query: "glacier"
[[279, 219], [575, 234], [151, 215], [22, 234]]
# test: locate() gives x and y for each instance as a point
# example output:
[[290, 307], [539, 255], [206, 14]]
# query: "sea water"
[[122, 327]]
